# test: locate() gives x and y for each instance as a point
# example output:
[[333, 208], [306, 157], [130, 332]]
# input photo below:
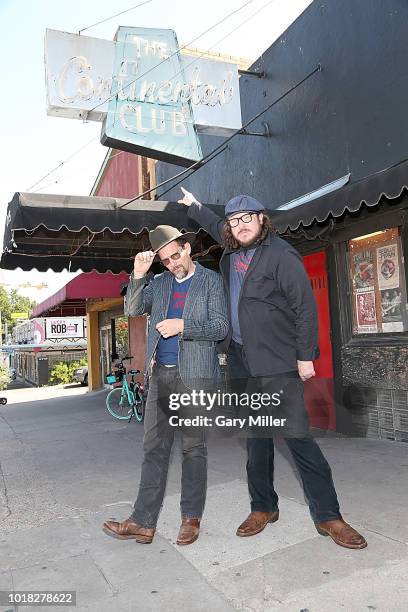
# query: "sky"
[[35, 144]]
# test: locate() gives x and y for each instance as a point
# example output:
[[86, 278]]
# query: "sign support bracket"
[[266, 133], [253, 73]]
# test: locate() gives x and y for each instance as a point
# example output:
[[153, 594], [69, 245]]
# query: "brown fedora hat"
[[163, 234]]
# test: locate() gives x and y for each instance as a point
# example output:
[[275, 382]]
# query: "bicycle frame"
[[130, 394]]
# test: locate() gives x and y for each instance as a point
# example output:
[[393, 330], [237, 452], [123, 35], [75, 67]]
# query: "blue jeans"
[[311, 464], [157, 443]]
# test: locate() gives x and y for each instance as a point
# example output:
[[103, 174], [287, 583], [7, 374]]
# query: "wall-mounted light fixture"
[[313, 195]]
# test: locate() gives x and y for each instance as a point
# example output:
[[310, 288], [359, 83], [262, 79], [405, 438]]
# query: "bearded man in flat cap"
[[272, 343]]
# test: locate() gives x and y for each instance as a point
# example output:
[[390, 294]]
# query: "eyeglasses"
[[247, 218], [174, 257]]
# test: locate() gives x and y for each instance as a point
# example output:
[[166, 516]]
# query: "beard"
[[247, 239], [180, 272]]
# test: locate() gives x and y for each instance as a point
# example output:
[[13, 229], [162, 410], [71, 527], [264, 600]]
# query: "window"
[[377, 281]]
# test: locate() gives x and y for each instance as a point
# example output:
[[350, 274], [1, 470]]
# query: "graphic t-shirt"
[[167, 348], [239, 263]]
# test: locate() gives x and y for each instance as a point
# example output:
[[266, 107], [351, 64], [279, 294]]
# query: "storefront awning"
[[86, 233], [385, 185], [45, 346], [71, 299], [92, 233]]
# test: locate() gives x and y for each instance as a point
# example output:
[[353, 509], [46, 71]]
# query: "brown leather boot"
[[342, 533], [129, 530], [256, 522], [189, 531]]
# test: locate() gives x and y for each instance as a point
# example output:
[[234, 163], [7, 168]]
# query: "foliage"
[[122, 336], [4, 377], [63, 371], [13, 302]]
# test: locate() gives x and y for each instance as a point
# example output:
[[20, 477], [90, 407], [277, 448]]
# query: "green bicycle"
[[128, 400]]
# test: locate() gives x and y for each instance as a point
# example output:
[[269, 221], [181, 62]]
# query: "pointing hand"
[[188, 198]]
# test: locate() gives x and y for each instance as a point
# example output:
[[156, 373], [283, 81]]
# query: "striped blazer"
[[205, 318]]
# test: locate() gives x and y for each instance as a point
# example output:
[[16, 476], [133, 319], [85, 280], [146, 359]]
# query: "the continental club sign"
[[152, 99]]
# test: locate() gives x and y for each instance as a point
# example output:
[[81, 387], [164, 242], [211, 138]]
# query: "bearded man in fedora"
[[188, 317]]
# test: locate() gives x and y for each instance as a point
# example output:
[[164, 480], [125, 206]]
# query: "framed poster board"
[[377, 282]]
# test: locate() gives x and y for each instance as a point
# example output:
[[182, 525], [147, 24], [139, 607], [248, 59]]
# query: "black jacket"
[[277, 310]]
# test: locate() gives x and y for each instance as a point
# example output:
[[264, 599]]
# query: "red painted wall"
[[316, 269], [319, 391], [121, 176]]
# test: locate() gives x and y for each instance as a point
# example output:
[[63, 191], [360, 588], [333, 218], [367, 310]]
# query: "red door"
[[319, 391]]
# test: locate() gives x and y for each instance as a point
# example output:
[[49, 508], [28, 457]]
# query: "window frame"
[[353, 229]]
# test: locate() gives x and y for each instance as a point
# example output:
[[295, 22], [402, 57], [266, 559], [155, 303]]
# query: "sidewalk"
[[20, 391], [66, 466]]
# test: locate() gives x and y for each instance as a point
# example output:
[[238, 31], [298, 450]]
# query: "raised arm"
[[202, 215], [138, 298]]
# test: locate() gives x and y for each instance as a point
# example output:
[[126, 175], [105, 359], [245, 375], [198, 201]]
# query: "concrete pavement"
[[66, 466]]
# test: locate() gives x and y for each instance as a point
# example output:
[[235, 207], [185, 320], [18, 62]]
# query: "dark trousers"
[[313, 468], [157, 443]]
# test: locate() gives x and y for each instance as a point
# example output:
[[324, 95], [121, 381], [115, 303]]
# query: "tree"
[[122, 336], [4, 377], [13, 302]]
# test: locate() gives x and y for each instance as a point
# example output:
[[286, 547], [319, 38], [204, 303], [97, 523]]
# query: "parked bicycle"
[[128, 400]]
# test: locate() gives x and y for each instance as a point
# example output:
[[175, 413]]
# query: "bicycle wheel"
[[139, 406], [118, 405]]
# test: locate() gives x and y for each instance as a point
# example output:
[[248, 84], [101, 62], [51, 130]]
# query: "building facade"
[[333, 171], [40, 343], [327, 155]]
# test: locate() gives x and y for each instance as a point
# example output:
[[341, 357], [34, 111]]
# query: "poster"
[[388, 267], [391, 310], [365, 312], [362, 270]]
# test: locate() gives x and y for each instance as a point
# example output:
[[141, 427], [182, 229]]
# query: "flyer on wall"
[[362, 270], [365, 312], [388, 267], [391, 310]]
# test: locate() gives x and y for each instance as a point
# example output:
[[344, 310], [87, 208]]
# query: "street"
[[66, 466]]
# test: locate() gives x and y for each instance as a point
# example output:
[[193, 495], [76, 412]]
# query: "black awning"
[[385, 185], [88, 233], [91, 233]]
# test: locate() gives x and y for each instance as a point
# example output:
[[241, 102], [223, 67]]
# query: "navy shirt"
[[239, 263], [167, 348]]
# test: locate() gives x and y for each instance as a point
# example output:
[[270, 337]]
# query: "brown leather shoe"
[[189, 531], [342, 533], [129, 530], [256, 522]]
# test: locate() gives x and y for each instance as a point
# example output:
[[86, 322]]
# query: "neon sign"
[[153, 100]]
